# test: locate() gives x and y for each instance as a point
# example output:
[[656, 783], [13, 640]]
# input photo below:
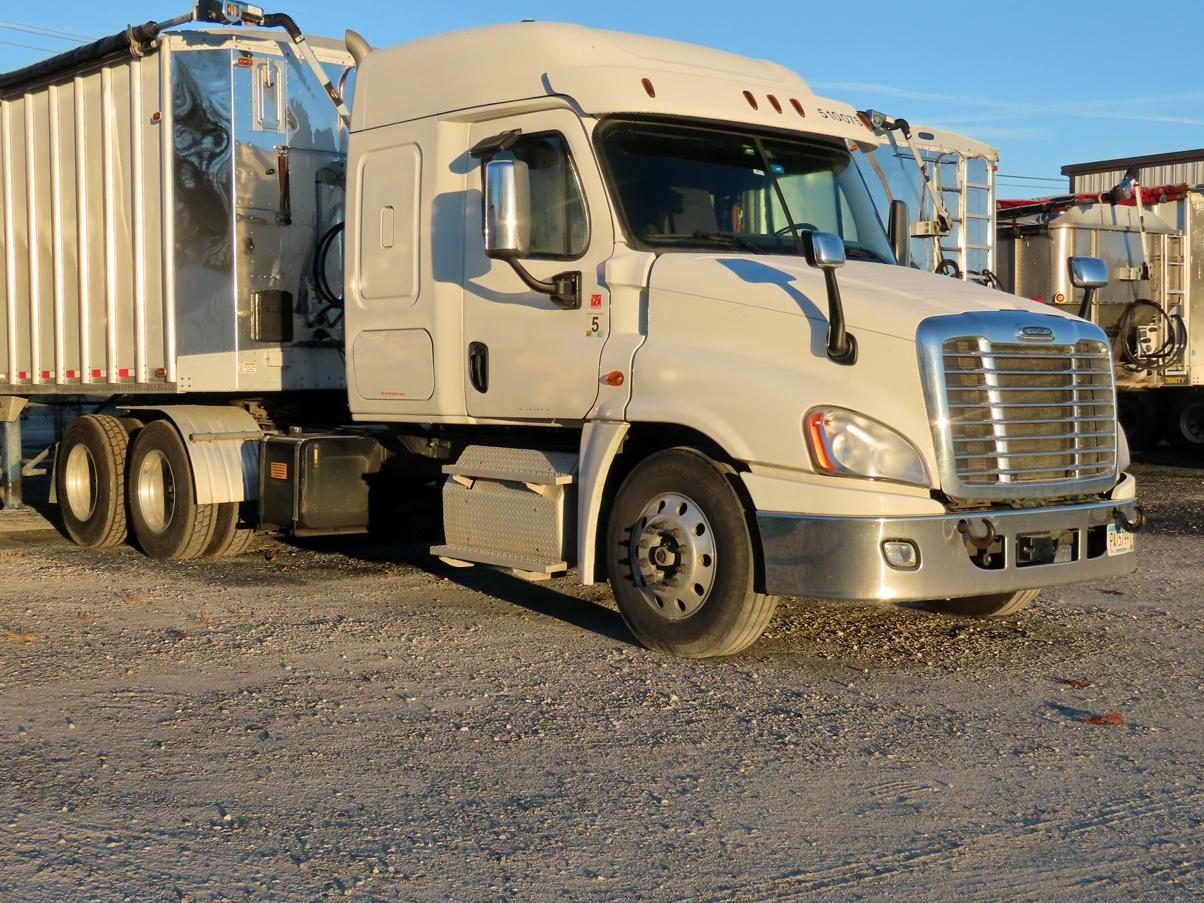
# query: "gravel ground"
[[344, 719]]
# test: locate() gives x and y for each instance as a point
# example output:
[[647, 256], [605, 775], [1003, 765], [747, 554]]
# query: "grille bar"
[[1036, 404], [1005, 370], [1032, 354], [997, 388], [1094, 470], [1043, 453], [1036, 436]]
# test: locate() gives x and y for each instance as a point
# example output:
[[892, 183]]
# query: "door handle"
[[478, 366]]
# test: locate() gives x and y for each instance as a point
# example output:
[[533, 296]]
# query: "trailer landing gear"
[[10, 451]]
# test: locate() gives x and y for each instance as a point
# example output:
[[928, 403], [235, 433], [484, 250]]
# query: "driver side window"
[[559, 222]]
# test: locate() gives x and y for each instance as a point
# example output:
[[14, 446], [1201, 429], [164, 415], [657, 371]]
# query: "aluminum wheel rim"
[[80, 480], [673, 552], [156, 491]]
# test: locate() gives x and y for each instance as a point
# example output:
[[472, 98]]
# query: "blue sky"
[[1054, 82]]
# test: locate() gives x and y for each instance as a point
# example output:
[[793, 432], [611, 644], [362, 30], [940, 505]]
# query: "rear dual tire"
[[90, 480], [164, 515]]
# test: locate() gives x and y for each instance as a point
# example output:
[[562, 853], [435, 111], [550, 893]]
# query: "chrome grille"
[[1022, 414]]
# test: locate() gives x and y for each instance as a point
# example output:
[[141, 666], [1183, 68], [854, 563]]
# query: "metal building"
[[1173, 168]]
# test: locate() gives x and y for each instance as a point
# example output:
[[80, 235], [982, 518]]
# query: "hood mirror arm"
[[825, 251], [564, 288], [842, 345], [1089, 274]]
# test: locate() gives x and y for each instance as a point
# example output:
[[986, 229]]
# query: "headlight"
[[845, 442]]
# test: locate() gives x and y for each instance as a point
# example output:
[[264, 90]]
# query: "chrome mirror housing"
[[823, 250], [1088, 272], [507, 209]]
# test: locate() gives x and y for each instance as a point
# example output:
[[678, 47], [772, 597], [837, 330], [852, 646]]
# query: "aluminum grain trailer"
[[163, 194]]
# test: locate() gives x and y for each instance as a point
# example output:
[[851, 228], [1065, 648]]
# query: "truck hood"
[[877, 297]]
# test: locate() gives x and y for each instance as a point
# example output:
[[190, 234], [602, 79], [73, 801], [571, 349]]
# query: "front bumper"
[[842, 557]]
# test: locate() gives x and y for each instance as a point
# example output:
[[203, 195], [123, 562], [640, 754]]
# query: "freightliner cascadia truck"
[[602, 302]]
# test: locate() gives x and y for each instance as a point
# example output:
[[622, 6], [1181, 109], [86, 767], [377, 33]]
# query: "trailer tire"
[[1140, 418], [1185, 426], [166, 520], [692, 591], [90, 480], [229, 538], [999, 605]]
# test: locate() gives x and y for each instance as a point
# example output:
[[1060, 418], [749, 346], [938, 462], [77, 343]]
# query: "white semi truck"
[[617, 303]]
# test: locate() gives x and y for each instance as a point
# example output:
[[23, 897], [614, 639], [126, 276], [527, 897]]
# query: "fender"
[[600, 443], [223, 447]]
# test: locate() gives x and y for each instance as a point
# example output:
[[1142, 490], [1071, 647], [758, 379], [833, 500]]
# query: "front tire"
[[680, 558], [166, 520], [999, 605]]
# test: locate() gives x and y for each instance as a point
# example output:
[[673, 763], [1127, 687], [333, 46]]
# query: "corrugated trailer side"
[[161, 209], [87, 296]]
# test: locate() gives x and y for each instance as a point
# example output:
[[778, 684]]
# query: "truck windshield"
[[695, 187]]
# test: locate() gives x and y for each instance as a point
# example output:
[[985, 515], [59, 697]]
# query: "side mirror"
[[507, 209], [898, 229], [823, 250], [1088, 272]]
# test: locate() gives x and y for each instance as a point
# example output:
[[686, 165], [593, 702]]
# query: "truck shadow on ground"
[[538, 598]]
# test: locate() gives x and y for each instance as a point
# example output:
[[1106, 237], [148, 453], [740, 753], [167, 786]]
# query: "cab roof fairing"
[[951, 142], [602, 72]]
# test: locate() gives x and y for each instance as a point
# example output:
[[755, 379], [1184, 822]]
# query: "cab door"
[[526, 357]]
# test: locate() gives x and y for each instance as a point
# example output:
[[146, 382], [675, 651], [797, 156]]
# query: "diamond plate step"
[[514, 563], [517, 465]]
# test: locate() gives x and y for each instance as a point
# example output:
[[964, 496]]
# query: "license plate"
[[1120, 540]]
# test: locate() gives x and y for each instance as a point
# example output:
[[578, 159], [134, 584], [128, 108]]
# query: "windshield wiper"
[[862, 254], [732, 241]]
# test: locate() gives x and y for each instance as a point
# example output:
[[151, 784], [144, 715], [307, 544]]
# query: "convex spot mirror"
[[823, 249], [1088, 272], [507, 209]]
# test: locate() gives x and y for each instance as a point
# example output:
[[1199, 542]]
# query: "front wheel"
[[680, 558], [999, 605]]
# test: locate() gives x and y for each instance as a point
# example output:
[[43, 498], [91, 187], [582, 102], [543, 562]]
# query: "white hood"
[[890, 300]]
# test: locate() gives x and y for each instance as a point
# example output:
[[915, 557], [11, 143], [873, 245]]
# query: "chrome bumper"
[[842, 557]]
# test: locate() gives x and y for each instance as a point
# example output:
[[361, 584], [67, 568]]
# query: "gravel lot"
[[344, 719]]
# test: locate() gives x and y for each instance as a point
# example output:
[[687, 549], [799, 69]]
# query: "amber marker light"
[[615, 378], [648, 88], [819, 450]]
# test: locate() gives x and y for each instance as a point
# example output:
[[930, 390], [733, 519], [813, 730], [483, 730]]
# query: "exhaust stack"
[[357, 46]]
